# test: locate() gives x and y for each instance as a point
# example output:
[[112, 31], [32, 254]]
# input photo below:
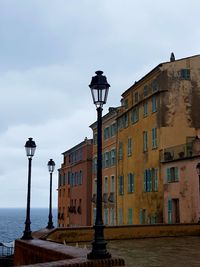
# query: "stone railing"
[[44, 253]]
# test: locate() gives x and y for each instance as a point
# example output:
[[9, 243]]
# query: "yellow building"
[[160, 110], [109, 135]]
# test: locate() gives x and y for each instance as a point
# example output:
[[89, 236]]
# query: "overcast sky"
[[49, 50]]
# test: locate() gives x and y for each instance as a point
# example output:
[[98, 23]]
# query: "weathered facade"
[[158, 111], [109, 135], [181, 183], [75, 186]]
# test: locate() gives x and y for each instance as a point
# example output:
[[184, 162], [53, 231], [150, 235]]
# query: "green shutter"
[[176, 173], [168, 175], [169, 210]]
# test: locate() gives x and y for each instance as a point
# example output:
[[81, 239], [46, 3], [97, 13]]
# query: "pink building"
[[75, 186], [181, 183]]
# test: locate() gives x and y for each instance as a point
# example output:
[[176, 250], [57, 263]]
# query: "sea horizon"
[[12, 221]]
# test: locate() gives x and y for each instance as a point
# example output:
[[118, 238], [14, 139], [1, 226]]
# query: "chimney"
[[172, 57]]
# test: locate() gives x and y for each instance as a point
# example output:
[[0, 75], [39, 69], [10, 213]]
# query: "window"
[[69, 177], [151, 180], [106, 133], [120, 216], [113, 157], [129, 146], [95, 186], [95, 164], [154, 138], [105, 216], [185, 74], [121, 185], [152, 219], [120, 150], [95, 138], [113, 129], [126, 103], [130, 216], [80, 180], [145, 91], [155, 179], [107, 159], [130, 183], [123, 121], [135, 115], [145, 141], [106, 185], [112, 184], [142, 216], [72, 179], [147, 181], [145, 108], [136, 97], [154, 103], [75, 178], [112, 216], [172, 174], [64, 179], [155, 85]]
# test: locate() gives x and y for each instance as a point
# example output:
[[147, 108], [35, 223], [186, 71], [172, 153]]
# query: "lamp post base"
[[50, 225], [99, 250], [98, 253], [27, 235]]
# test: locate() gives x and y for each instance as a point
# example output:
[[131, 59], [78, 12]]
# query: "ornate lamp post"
[[99, 89], [51, 166], [30, 147]]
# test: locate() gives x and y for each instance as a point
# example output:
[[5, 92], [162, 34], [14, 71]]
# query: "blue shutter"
[[144, 182], [156, 180], [150, 180], [129, 189]]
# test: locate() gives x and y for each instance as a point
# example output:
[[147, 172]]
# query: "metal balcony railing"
[[6, 249]]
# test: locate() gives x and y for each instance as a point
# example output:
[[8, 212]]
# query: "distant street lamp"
[[30, 147], [51, 166], [99, 89]]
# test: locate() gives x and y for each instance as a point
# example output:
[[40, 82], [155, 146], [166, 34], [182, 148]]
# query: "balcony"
[[105, 198], [111, 197], [181, 151]]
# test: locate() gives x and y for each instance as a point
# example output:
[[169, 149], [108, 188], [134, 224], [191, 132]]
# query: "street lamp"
[[99, 89], [30, 147], [51, 166]]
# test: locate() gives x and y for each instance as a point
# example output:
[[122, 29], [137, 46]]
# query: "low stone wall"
[[86, 234], [44, 253]]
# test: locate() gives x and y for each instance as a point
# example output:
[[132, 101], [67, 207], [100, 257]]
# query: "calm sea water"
[[12, 222]]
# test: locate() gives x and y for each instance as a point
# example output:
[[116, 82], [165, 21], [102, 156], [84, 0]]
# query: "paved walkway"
[[158, 252]]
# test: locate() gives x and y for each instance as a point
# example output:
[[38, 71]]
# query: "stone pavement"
[[158, 252]]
